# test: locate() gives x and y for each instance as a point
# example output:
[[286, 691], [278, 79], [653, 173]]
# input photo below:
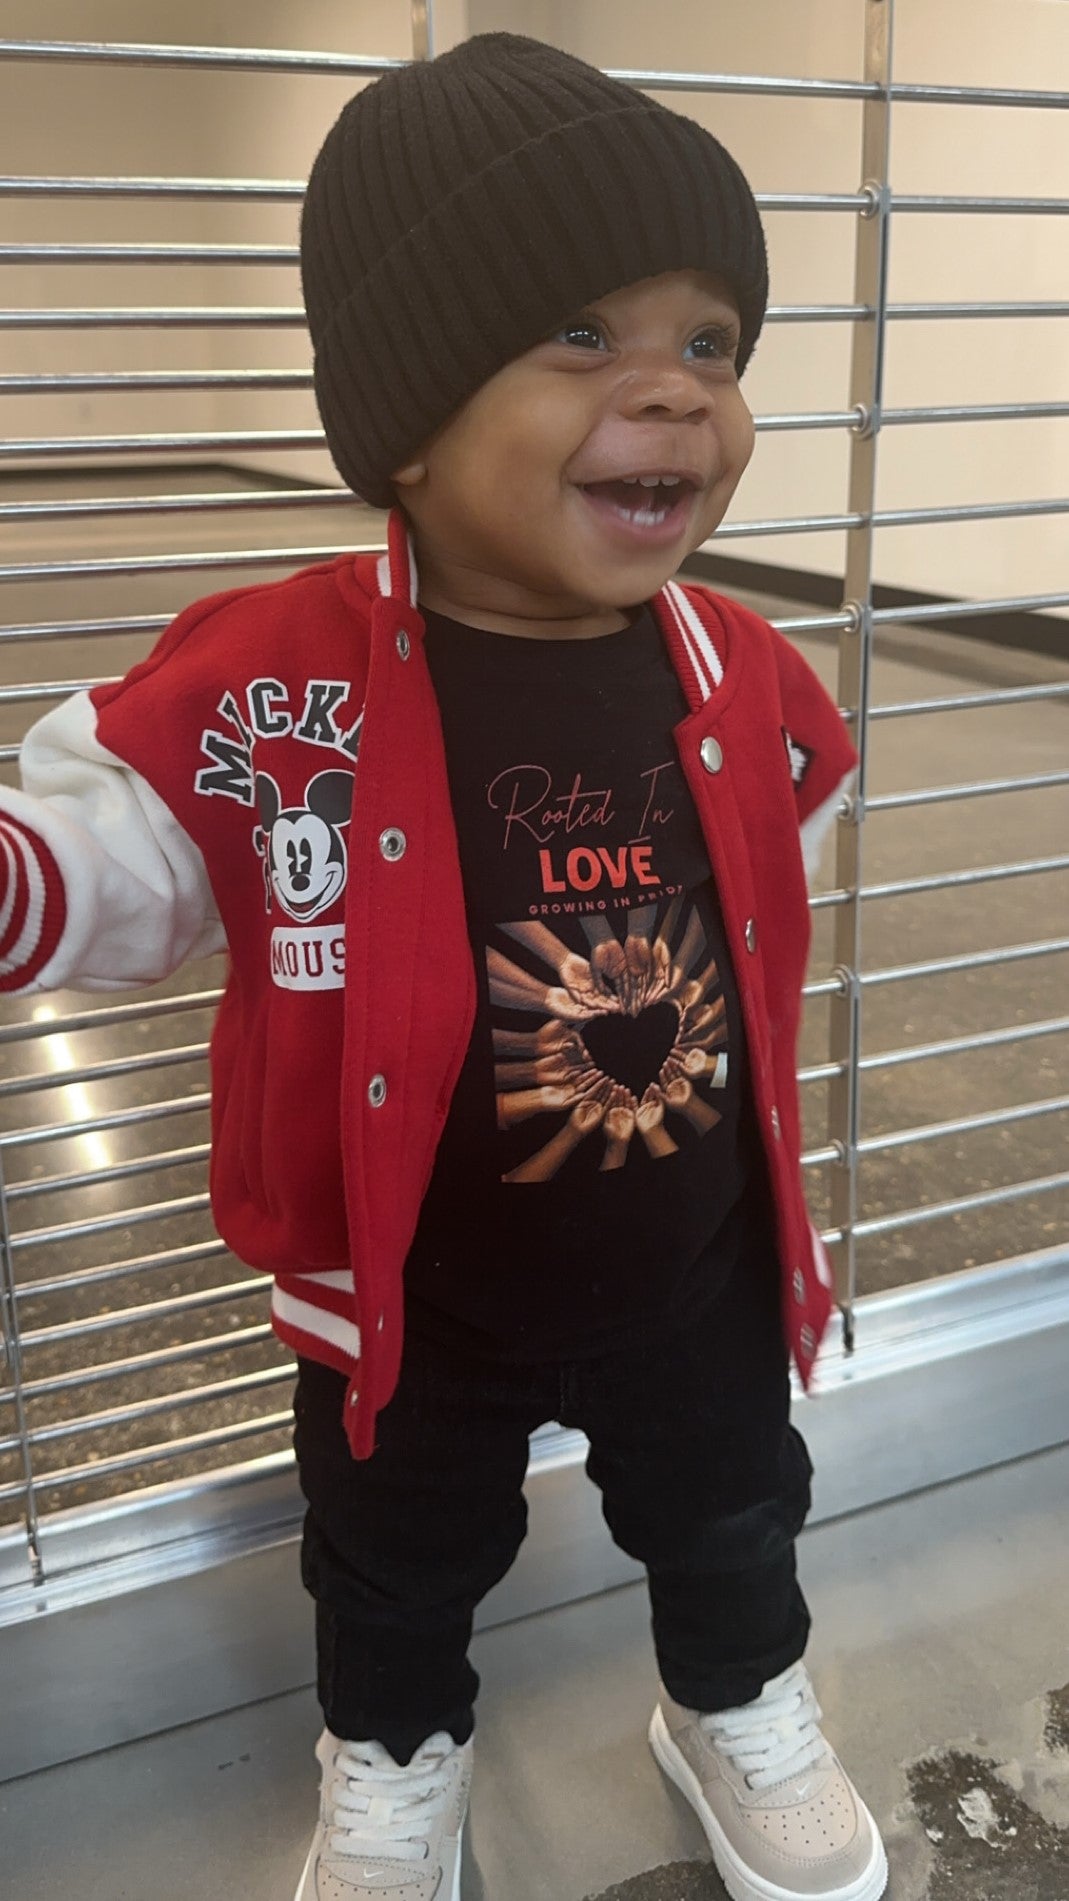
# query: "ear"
[[410, 475], [330, 797], [268, 799]]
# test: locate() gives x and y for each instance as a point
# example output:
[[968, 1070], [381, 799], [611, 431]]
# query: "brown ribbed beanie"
[[461, 208]]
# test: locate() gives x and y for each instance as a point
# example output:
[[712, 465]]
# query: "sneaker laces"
[[775, 1737], [383, 1810]]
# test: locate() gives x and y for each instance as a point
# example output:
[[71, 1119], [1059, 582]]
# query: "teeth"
[[645, 516], [652, 481]]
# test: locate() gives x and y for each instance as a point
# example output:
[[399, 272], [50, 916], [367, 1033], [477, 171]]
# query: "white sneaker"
[[387, 1833], [782, 1817]]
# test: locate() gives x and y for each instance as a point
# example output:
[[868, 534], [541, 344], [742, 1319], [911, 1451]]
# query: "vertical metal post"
[[423, 29], [13, 1358], [855, 645]]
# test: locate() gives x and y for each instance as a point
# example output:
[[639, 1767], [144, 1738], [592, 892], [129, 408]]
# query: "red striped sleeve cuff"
[[33, 906]]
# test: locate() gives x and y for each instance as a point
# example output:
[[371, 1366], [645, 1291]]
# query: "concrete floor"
[[940, 1653]]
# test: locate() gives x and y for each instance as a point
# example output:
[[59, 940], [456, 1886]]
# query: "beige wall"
[[62, 118]]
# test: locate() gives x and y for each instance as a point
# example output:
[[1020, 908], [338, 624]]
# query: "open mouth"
[[643, 503]]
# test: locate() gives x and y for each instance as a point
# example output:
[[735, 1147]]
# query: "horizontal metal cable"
[[961, 1125], [261, 254], [199, 442], [52, 690], [973, 960], [98, 1072], [164, 1261], [97, 1469], [107, 1224], [968, 511], [113, 1172], [820, 1073], [132, 1414], [223, 503], [811, 419], [159, 317], [1045, 307], [173, 563], [824, 987], [962, 610], [75, 629], [976, 412], [843, 622], [292, 191], [157, 1360], [913, 93], [963, 1204], [970, 702], [198, 1103], [939, 202], [947, 794], [152, 1310], [271, 190], [251, 59], [955, 880], [292, 316], [196, 442], [36, 448], [819, 1158], [137, 382], [882, 518], [963, 1045], [214, 503], [141, 1012], [275, 557], [214, 58], [942, 881]]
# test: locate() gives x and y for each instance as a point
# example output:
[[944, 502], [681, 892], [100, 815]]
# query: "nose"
[[662, 388]]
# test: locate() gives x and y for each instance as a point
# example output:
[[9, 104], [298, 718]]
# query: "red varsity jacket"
[[272, 780]]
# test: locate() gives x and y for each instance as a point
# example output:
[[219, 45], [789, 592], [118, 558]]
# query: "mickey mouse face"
[[303, 849]]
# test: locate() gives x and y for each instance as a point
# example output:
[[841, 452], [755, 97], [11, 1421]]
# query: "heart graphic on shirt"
[[632, 1049]]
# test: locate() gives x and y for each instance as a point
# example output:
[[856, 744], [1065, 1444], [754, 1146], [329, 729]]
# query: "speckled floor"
[[940, 1651]]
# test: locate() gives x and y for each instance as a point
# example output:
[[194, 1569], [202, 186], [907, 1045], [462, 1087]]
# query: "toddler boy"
[[504, 834]]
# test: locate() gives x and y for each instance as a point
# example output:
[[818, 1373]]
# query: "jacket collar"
[[396, 576], [690, 641]]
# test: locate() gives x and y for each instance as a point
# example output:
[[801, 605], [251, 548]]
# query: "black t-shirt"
[[590, 1175]]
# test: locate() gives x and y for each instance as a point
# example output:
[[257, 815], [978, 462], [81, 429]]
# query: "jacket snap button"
[[392, 843], [404, 645], [711, 754], [376, 1091], [809, 1342], [751, 934], [799, 1286], [354, 1399], [776, 1129]]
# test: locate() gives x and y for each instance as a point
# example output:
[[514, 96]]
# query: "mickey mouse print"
[[289, 757]]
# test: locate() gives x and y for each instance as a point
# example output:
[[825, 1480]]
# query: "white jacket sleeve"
[[100, 887]]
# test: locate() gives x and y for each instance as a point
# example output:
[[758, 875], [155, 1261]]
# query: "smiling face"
[[527, 515]]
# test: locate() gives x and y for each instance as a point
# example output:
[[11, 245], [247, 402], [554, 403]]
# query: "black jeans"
[[702, 1480]]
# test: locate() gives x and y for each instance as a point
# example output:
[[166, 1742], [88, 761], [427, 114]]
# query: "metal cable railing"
[[107, 1254]]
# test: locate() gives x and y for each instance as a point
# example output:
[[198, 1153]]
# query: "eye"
[[582, 332], [715, 344]]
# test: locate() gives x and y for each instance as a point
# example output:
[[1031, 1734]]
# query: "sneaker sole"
[[454, 1895], [741, 1883]]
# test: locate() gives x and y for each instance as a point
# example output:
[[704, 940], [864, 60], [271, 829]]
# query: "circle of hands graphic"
[[551, 1069]]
